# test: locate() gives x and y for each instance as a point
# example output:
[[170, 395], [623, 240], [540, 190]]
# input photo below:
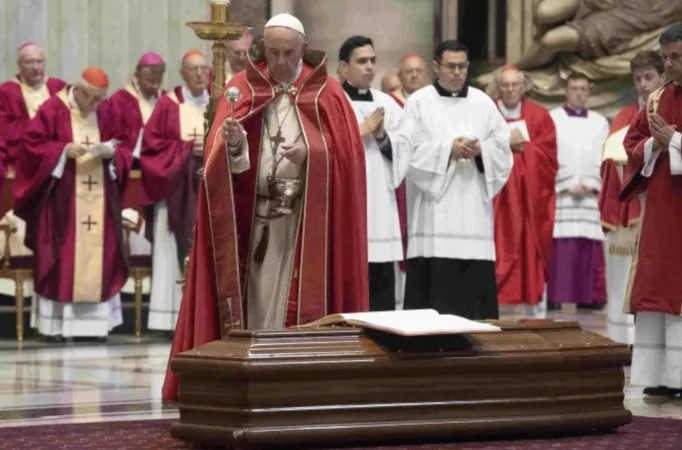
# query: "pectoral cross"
[[87, 142], [276, 140], [89, 183], [89, 223], [194, 134]]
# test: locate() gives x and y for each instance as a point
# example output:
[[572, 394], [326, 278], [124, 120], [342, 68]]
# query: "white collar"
[[298, 74], [201, 100], [509, 113]]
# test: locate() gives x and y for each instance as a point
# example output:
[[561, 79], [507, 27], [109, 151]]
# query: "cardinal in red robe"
[[69, 185], [21, 96], [524, 209], [136, 100], [319, 143], [654, 173], [171, 156]]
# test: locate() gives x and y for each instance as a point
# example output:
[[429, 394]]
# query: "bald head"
[[511, 86], [390, 83], [31, 64], [237, 51], [194, 72], [284, 50], [412, 73]]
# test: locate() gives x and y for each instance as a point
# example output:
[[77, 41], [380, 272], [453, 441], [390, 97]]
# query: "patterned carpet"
[[643, 433]]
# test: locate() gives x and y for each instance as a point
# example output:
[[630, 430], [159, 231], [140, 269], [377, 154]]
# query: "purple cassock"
[[577, 267]]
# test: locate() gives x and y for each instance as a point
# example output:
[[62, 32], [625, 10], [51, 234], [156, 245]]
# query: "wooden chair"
[[140, 268], [18, 269]]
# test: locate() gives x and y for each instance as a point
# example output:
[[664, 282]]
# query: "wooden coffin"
[[339, 385]]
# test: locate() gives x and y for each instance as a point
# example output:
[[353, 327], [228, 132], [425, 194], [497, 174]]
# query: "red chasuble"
[[131, 106], [331, 271], [77, 219], [18, 104], [524, 213], [613, 211], [169, 171], [654, 285]]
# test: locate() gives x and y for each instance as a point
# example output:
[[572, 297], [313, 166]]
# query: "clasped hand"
[[75, 151], [464, 148], [580, 191], [374, 124], [516, 140], [661, 131]]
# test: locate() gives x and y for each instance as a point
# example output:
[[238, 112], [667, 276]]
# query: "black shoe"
[[92, 340], [51, 339], [661, 391], [553, 306], [591, 307]]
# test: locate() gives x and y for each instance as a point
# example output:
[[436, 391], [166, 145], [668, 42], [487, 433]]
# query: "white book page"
[[398, 317], [522, 127], [418, 323]]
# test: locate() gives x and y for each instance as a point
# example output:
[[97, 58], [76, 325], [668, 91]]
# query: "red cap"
[[192, 53], [96, 77]]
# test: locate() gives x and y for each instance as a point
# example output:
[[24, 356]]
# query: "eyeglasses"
[[454, 67]]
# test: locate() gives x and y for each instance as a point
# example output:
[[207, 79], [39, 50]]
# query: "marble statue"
[[597, 38]]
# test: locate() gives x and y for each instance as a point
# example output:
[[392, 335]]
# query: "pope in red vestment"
[[74, 230], [524, 209], [21, 96], [331, 270]]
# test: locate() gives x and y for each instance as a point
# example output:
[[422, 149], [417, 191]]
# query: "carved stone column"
[[450, 19], [520, 28]]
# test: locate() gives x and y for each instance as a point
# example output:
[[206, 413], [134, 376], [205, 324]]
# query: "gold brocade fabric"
[[90, 219]]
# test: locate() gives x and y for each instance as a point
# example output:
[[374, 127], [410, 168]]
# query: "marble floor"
[[44, 384]]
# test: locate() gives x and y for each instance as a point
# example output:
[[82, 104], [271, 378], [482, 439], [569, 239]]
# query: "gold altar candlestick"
[[218, 30]]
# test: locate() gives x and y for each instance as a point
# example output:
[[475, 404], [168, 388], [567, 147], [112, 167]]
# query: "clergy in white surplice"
[[619, 219], [461, 160], [68, 187], [386, 134], [171, 156], [576, 273]]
